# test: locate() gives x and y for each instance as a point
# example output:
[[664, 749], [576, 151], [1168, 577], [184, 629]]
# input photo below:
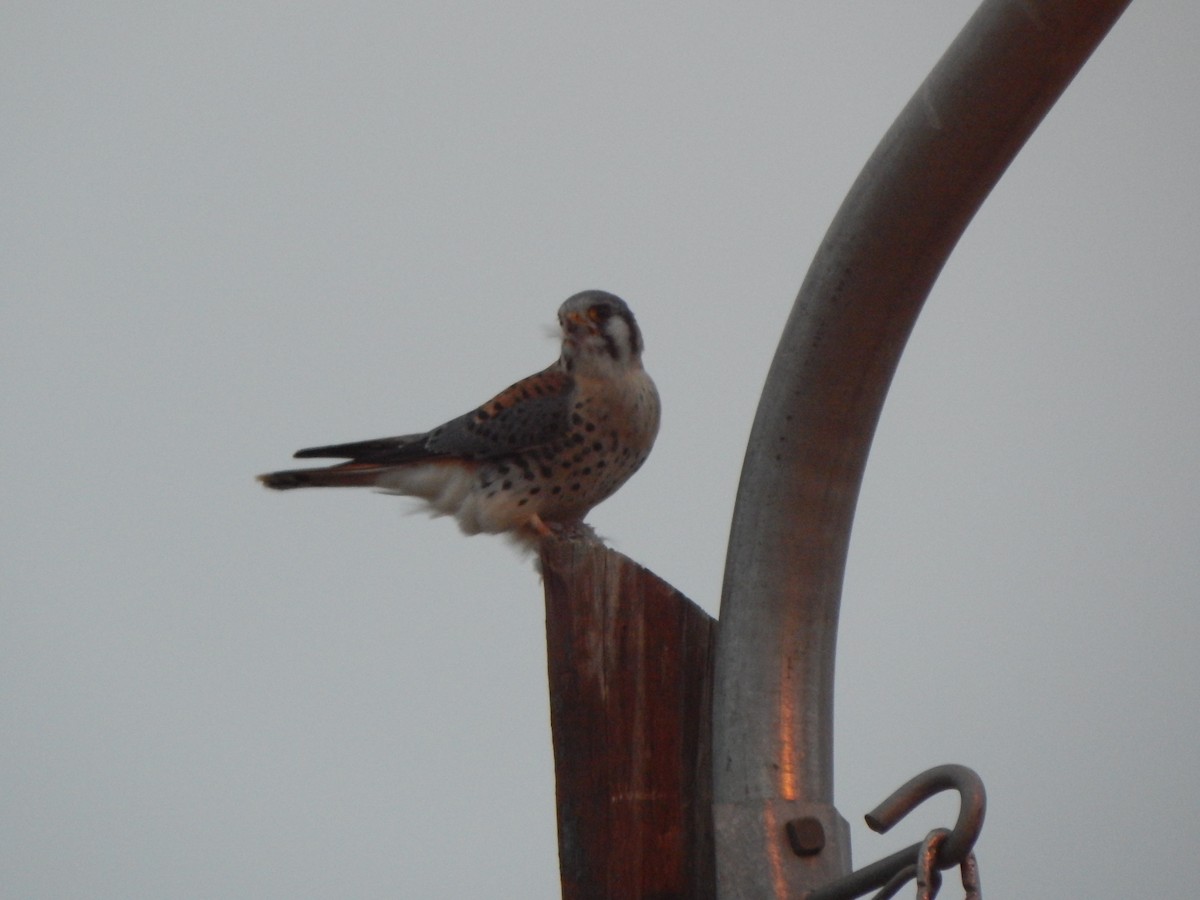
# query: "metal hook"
[[952, 851], [972, 805]]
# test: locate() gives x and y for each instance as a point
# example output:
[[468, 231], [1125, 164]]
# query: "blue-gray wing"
[[530, 413]]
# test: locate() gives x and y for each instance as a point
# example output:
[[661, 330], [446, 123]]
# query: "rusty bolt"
[[806, 835]]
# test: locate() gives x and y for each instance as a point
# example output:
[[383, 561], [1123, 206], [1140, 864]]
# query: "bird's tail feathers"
[[373, 449], [349, 475]]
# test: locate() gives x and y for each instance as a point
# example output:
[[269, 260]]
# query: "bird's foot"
[[562, 531]]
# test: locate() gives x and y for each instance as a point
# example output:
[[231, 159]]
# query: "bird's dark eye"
[[599, 313]]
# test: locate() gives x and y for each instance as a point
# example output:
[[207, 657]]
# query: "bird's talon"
[[540, 528]]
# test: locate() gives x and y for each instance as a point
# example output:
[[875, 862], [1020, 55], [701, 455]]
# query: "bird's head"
[[599, 333]]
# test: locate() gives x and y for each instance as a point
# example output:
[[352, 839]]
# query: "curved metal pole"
[[773, 692]]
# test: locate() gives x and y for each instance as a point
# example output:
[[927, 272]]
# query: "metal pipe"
[[773, 692]]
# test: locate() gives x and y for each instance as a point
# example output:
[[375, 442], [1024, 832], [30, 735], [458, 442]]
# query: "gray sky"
[[233, 231]]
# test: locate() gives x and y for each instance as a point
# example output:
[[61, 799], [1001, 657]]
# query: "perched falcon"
[[537, 456]]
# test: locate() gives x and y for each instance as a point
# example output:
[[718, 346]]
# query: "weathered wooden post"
[[630, 662]]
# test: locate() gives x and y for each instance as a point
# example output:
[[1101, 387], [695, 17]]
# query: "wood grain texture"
[[630, 665]]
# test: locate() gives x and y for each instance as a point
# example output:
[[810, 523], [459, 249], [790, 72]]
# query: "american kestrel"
[[537, 456]]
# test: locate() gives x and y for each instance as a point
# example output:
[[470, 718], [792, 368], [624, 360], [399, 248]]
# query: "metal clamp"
[[942, 849]]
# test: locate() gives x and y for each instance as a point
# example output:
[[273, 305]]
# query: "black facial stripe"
[[610, 344]]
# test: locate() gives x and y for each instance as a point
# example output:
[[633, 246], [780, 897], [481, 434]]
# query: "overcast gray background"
[[233, 230]]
